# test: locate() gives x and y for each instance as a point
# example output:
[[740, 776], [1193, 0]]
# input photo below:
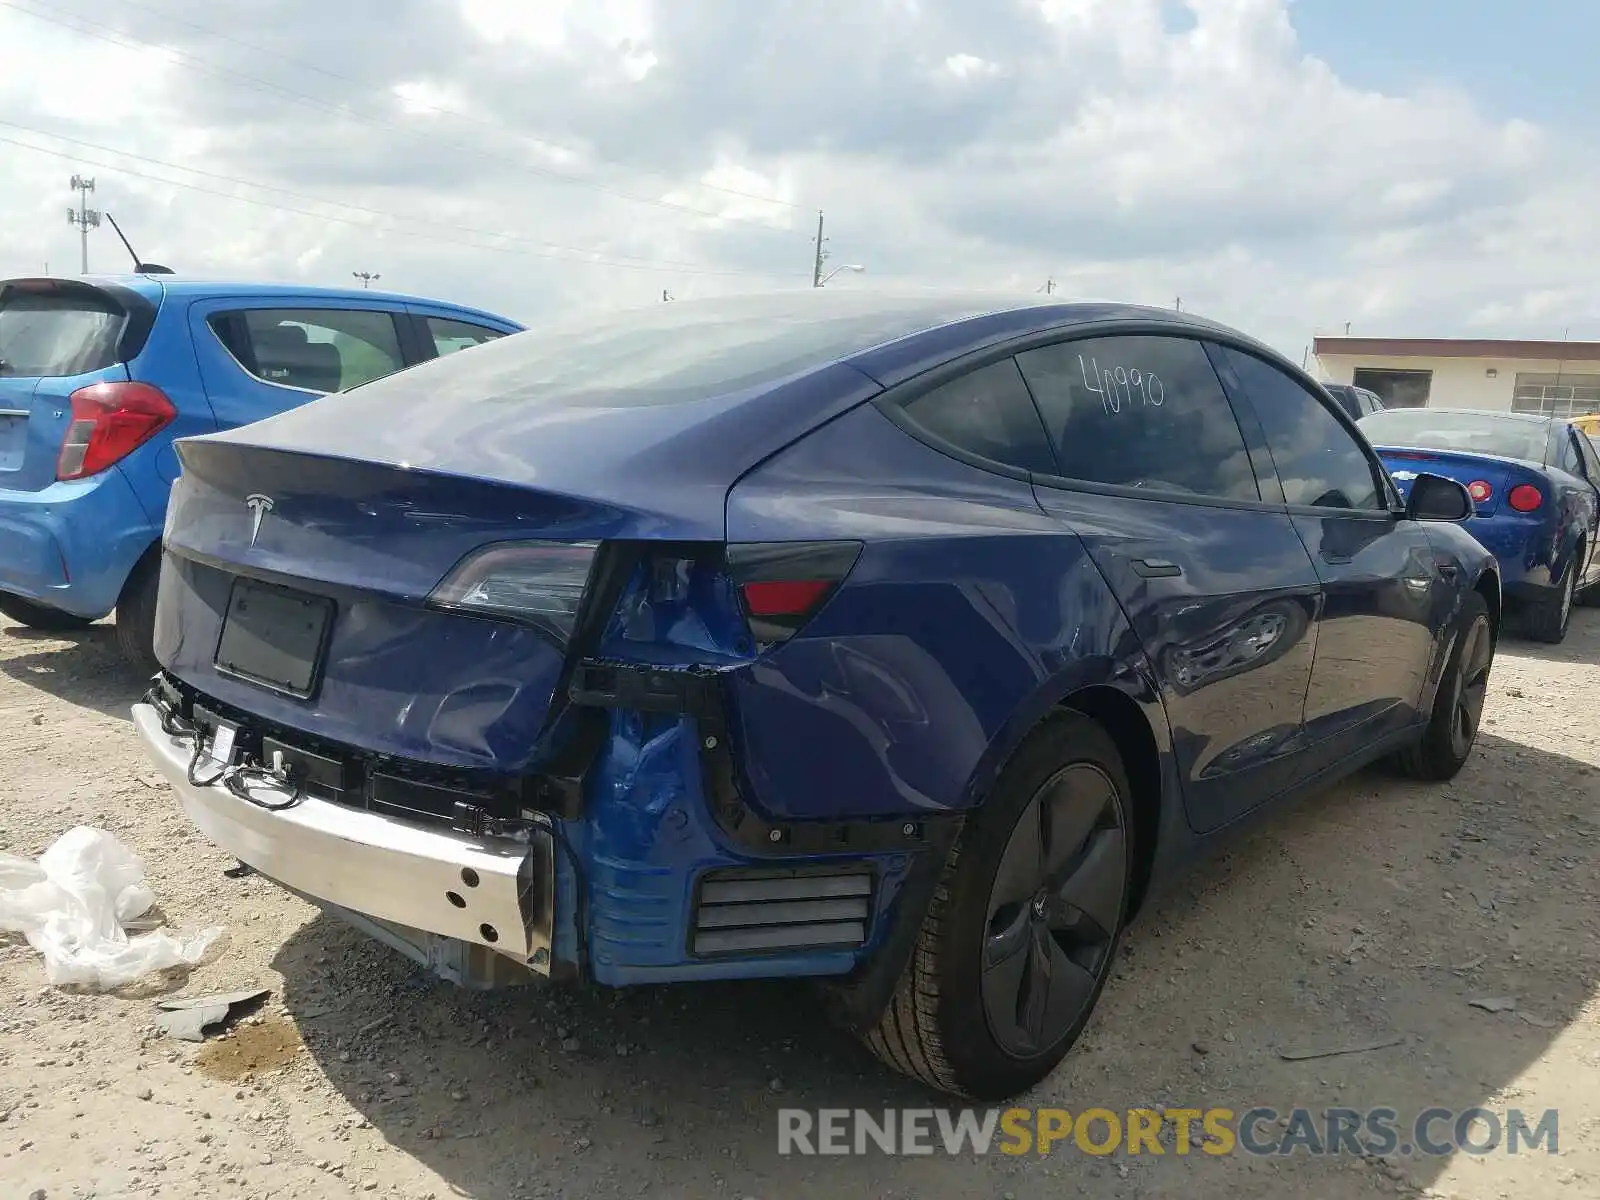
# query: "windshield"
[[46, 336], [1471, 433]]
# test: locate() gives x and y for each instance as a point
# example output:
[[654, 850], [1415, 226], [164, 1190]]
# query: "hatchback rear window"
[[51, 335], [1472, 433]]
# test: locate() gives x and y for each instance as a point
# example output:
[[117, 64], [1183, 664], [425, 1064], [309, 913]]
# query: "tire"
[[954, 1025], [40, 616], [136, 616], [1452, 729], [1547, 619]]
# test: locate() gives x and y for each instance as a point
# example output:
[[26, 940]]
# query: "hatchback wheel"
[[1452, 729], [1025, 924], [136, 616]]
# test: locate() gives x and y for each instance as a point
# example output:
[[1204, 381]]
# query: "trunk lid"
[[56, 336], [393, 673], [1501, 474]]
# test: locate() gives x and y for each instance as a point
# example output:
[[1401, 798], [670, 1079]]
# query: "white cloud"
[[513, 146]]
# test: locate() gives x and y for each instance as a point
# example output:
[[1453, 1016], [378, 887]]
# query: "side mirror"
[[1435, 498]]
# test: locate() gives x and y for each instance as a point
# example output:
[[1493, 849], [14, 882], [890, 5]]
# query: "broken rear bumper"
[[492, 892]]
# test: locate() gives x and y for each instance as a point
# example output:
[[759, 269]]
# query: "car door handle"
[[1156, 568]]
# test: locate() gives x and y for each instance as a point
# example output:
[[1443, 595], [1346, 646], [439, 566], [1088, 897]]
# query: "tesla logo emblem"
[[259, 507]]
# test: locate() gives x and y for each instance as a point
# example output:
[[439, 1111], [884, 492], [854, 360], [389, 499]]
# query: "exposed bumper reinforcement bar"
[[494, 892]]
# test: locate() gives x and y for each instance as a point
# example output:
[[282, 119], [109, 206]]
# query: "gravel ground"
[[1376, 910]]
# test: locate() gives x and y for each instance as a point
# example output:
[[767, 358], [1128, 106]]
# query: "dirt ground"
[[1376, 910]]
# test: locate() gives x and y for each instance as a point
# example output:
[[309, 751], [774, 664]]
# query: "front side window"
[[1140, 412], [1591, 458], [1319, 461], [989, 413], [449, 336], [315, 350]]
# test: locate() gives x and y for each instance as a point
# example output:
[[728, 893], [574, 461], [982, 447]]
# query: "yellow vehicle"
[[1589, 425]]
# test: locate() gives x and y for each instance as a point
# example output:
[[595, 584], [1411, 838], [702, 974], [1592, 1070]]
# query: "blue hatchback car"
[[1535, 484], [100, 375], [907, 644]]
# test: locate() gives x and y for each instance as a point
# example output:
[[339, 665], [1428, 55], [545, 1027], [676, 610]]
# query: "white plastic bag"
[[72, 904]]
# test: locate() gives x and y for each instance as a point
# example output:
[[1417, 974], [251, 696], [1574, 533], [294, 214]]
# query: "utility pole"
[[665, 295], [1049, 287], [366, 277], [1178, 304], [822, 253], [83, 217]]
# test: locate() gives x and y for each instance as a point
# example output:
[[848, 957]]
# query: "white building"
[[1561, 378]]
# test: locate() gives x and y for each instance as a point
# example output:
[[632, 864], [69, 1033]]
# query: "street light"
[[857, 268], [366, 277]]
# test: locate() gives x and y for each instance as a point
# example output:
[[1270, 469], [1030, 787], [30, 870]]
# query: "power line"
[[595, 258], [360, 208], [88, 28], [443, 110]]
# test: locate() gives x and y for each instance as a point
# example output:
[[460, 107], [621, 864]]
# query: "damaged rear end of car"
[[457, 660]]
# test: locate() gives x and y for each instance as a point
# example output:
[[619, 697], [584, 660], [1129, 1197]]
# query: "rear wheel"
[[1452, 729], [1547, 618], [1024, 926], [41, 617], [136, 615]]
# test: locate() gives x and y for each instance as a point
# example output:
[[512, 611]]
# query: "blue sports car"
[[1535, 484], [905, 644]]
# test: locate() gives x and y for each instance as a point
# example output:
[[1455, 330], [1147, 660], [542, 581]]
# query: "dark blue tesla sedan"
[[905, 644]]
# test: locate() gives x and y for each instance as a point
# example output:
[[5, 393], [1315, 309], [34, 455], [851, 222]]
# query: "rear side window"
[[1319, 461], [989, 413], [315, 350], [47, 336], [1591, 458], [450, 336], [1140, 412], [1569, 460]]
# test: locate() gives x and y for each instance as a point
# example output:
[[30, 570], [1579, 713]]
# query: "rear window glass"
[[678, 352], [49, 336], [1471, 433]]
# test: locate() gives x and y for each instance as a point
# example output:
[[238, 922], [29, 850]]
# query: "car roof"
[[153, 286]]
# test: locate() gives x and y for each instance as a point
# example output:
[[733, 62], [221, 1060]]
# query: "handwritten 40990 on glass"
[[1119, 385]]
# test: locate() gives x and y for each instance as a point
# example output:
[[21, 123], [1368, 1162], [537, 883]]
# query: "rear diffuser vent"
[[768, 911]]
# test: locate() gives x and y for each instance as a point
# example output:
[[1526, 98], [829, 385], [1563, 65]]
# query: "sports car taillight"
[[536, 583], [1479, 490], [1525, 498], [109, 422], [784, 584]]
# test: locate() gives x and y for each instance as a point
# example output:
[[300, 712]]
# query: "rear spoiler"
[[139, 313]]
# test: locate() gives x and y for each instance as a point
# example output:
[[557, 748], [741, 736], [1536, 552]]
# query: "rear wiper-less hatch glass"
[[49, 336]]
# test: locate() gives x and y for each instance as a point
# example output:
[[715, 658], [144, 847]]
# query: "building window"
[[1398, 389], [1558, 395]]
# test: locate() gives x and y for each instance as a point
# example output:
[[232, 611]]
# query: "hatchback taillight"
[[1525, 498], [784, 584], [109, 422]]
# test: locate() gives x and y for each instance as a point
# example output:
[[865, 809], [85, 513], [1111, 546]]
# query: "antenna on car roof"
[[139, 268]]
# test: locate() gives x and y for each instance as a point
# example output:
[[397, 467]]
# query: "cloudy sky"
[[1283, 165]]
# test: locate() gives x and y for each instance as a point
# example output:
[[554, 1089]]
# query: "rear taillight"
[[536, 583], [109, 422], [1479, 490], [784, 584], [1524, 497]]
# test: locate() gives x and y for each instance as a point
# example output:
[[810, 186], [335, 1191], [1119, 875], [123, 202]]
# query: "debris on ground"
[[1335, 1051], [188, 1019], [1494, 1004], [74, 905]]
